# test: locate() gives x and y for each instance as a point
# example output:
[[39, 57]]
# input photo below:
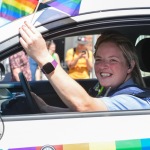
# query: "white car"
[[24, 127]]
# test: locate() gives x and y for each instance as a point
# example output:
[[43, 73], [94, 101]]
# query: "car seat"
[[143, 52]]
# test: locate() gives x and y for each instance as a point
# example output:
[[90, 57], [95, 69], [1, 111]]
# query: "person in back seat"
[[116, 67]]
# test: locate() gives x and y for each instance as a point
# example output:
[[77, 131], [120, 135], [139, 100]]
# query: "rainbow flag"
[[14, 9], [70, 7]]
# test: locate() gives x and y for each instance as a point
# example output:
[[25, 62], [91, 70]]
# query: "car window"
[[62, 46]]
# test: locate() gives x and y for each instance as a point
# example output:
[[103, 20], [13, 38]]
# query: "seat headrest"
[[143, 52]]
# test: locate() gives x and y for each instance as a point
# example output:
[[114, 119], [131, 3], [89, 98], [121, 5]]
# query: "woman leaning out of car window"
[[116, 68]]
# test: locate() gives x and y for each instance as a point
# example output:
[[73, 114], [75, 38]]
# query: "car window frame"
[[80, 28]]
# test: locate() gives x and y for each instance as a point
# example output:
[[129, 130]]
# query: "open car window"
[[64, 29]]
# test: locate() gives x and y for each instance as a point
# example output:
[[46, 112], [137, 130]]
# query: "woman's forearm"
[[71, 93]]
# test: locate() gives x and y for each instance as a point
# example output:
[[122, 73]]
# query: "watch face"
[[48, 68], [1, 127]]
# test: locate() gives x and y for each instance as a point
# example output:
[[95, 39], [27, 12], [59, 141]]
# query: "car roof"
[[50, 18], [106, 5], [112, 7]]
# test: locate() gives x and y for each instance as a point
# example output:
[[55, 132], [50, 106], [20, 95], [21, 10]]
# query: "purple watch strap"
[[49, 67], [54, 63]]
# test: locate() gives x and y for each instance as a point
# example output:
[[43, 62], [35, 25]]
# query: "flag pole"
[[35, 10]]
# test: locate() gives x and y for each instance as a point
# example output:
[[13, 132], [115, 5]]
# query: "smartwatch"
[[49, 67]]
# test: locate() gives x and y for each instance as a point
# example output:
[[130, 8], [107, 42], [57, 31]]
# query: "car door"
[[74, 130]]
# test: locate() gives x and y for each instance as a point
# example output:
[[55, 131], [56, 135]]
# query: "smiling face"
[[111, 67]]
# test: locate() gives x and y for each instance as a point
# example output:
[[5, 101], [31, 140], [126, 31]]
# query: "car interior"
[[143, 52], [13, 94]]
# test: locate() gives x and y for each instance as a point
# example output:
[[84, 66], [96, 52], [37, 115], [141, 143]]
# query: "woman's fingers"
[[24, 39], [28, 31], [31, 27], [29, 36], [31, 31], [23, 43], [33, 42]]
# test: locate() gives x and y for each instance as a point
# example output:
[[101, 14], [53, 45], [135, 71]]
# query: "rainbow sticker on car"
[[135, 144]]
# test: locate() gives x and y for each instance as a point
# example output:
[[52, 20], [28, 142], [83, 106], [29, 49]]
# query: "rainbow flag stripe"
[[14, 9], [70, 7], [135, 144]]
